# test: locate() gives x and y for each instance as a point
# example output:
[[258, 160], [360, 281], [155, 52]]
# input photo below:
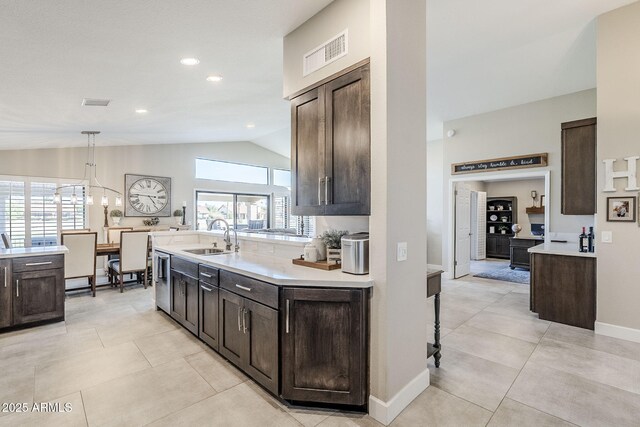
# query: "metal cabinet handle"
[[320, 184], [33, 264], [17, 288], [208, 276], [239, 324], [287, 317], [327, 193], [244, 288], [6, 277], [244, 321], [204, 288]]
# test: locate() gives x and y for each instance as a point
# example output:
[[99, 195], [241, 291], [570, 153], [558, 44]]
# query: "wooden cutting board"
[[322, 265]]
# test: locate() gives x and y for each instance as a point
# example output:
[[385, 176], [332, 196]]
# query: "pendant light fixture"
[[90, 177]]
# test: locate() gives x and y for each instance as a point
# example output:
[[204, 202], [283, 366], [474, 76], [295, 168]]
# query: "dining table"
[[106, 249]]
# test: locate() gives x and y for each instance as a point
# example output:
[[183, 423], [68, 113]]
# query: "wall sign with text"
[[505, 163]]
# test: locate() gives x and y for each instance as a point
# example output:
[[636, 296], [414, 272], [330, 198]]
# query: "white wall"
[[618, 137], [172, 160], [521, 189], [329, 22], [525, 129], [435, 203]]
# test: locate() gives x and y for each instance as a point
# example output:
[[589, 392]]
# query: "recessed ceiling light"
[[140, 110], [250, 125], [189, 61], [214, 78]]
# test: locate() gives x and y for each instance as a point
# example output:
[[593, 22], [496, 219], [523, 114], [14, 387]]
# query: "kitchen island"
[[31, 286], [563, 284], [301, 333]]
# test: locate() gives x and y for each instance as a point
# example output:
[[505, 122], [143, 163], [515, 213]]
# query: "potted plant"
[[177, 214], [116, 216], [332, 238]]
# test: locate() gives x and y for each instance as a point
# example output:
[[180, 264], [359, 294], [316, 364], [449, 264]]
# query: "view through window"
[[241, 211]]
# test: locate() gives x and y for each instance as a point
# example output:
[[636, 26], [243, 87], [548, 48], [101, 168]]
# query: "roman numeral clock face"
[[148, 196]]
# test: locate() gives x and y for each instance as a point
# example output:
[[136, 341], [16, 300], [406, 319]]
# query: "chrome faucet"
[[227, 235]]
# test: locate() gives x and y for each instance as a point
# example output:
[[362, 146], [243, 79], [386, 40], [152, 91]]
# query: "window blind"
[[12, 212], [44, 215]]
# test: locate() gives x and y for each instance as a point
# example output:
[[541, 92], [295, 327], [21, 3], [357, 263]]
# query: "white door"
[[462, 265]]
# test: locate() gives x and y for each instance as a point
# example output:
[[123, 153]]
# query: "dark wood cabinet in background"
[[519, 256], [505, 211], [5, 293], [563, 289], [579, 167], [325, 345], [331, 146]]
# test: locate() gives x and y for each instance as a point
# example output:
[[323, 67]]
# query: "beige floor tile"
[[587, 338], [220, 374], [575, 399], [472, 378], [132, 328], [349, 420], [513, 304], [81, 371], [237, 406], [37, 333], [16, 385], [71, 415], [512, 413], [100, 317], [531, 330], [591, 364], [450, 317], [35, 352], [435, 407], [489, 345], [145, 396], [166, 346]]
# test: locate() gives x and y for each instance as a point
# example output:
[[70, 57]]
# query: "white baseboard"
[[616, 331], [434, 267], [386, 412]]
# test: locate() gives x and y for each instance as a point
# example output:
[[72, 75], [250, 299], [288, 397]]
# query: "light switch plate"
[[607, 237], [402, 251]]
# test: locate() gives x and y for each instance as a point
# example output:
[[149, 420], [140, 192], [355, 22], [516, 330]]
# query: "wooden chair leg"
[[93, 285], [121, 282], [144, 278]]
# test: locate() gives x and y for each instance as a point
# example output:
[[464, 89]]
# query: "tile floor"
[[117, 361]]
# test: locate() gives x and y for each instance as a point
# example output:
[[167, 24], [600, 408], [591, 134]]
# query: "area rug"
[[506, 274]]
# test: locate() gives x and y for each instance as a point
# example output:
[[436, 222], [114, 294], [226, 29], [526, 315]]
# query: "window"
[[31, 218], [233, 172], [304, 225], [241, 211], [282, 178]]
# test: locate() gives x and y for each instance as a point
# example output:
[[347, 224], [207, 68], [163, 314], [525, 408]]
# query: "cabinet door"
[[492, 245], [325, 346], [179, 299], [579, 167], [5, 293], [191, 304], [307, 153], [232, 339], [38, 295], [348, 144], [208, 315], [260, 324]]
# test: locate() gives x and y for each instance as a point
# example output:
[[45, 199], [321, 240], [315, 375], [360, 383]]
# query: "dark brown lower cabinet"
[[38, 296], [184, 304], [563, 289], [248, 337], [208, 319], [5, 293], [325, 345], [520, 252], [498, 246]]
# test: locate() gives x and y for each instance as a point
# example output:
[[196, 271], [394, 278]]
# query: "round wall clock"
[[147, 195]]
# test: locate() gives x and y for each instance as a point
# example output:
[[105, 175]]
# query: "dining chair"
[[6, 240], [80, 261], [134, 250], [113, 234]]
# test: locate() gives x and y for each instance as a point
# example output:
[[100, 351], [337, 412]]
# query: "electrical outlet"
[[607, 237], [402, 251]]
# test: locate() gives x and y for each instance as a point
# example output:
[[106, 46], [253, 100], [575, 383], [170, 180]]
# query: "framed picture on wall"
[[147, 196], [621, 209]]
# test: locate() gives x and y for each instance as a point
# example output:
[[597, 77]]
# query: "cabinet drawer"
[[37, 263], [185, 267], [208, 275], [256, 290]]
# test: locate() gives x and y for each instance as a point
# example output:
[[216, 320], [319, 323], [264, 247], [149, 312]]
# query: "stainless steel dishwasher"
[[161, 268]]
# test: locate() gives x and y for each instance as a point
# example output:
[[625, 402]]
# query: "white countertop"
[[257, 237], [33, 251], [276, 270], [557, 248]]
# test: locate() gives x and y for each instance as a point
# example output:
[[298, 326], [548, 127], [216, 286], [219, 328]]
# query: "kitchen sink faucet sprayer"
[[227, 235]]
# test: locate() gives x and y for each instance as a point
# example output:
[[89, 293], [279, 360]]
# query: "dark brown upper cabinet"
[[579, 167], [331, 147]]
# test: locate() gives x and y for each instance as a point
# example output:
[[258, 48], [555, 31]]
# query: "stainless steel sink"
[[208, 251]]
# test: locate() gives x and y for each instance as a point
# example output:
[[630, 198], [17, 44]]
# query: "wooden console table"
[[434, 286]]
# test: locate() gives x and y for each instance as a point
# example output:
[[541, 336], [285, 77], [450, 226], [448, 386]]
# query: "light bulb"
[[74, 198], [104, 201], [118, 201], [89, 199], [56, 197]]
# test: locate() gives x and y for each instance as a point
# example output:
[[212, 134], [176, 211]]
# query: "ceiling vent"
[[89, 102], [326, 53]]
